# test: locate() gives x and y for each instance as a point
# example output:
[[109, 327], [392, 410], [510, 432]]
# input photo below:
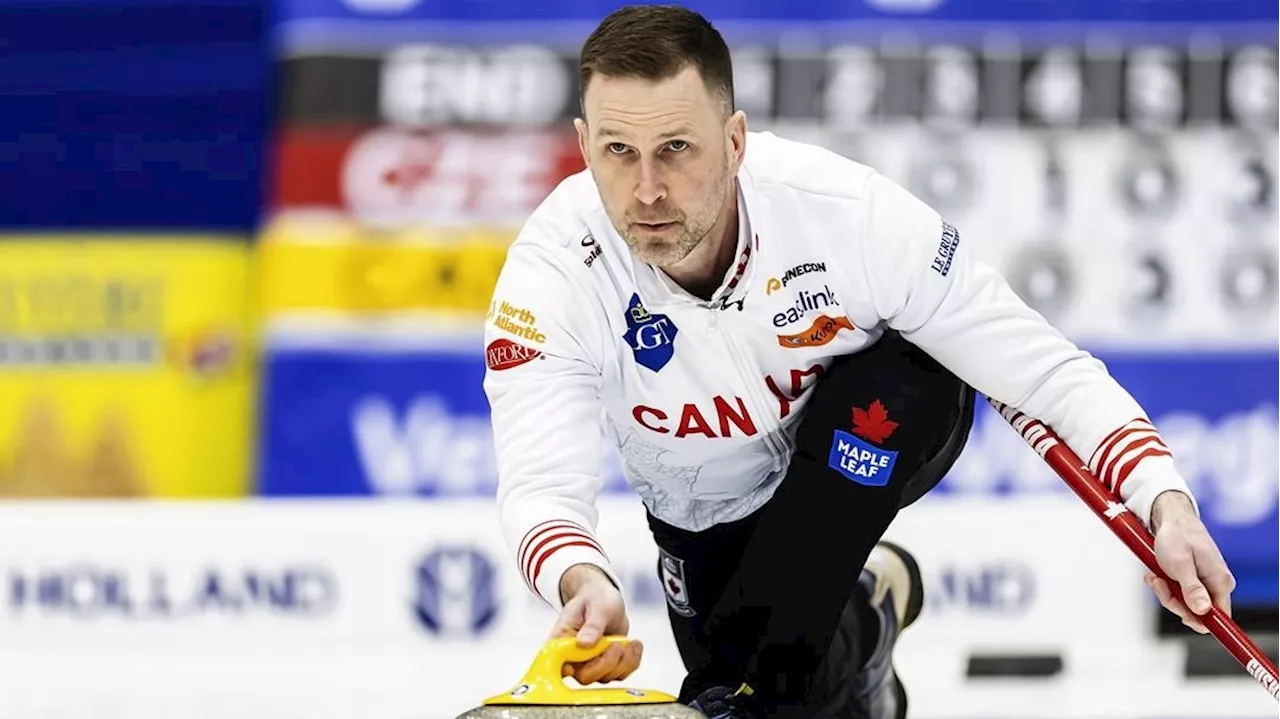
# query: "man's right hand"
[[593, 608]]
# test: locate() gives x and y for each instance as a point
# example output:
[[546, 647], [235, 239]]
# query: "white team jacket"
[[703, 398]]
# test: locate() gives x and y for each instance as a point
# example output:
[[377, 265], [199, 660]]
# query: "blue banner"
[[1013, 11], [417, 424], [339, 423], [137, 116], [325, 25], [1217, 413]]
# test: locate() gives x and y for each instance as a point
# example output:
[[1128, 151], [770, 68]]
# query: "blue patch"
[[859, 461], [651, 337]]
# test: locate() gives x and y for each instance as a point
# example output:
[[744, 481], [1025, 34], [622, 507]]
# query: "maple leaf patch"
[[873, 424]]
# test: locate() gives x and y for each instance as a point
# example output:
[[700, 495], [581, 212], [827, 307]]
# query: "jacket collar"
[[659, 290]]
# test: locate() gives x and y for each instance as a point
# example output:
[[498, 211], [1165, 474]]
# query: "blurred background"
[[245, 247]]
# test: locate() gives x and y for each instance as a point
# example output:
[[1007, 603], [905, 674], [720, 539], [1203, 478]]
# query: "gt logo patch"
[[651, 336]]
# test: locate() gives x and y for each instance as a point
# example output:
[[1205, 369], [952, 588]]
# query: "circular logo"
[[456, 591]]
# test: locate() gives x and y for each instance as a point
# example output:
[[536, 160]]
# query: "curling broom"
[[1109, 508]]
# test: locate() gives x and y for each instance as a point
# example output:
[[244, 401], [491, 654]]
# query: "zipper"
[[772, 438]]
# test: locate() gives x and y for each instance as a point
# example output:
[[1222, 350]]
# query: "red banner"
[[397, 177]]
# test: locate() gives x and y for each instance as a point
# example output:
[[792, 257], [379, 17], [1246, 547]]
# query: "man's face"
[[663, 156]]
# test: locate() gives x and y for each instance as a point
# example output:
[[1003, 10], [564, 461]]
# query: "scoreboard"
[[998, 82], [1115, 159]]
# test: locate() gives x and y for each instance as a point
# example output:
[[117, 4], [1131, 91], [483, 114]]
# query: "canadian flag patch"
[[673, 584]]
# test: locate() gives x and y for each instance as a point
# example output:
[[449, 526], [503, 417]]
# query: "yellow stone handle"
[[565, 650], [544, 683]]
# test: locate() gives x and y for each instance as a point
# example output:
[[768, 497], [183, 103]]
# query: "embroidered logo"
[[821, 332], [853, 454], [673, 584], [651, 336], [504, 354], [873, 423], [947, 245]]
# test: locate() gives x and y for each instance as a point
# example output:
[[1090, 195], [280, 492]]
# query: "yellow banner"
[[126, 367], [337, 266]]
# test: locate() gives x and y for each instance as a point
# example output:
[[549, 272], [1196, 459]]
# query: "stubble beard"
[[667, 251]]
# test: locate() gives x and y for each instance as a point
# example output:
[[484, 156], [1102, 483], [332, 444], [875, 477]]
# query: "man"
[[783, 345]]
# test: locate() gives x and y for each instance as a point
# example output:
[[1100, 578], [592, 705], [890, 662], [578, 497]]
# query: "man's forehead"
[[610, 128], [644, 102]]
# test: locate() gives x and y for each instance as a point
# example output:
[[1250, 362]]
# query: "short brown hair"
[[657, 42]]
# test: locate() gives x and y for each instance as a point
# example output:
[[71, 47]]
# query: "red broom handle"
[[1108, 507]]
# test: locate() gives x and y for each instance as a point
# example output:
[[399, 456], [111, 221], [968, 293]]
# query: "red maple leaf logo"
[[873, 424]]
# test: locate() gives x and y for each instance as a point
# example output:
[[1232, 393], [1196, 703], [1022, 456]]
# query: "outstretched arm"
[[543, 385], [925, 284], [543, 390]]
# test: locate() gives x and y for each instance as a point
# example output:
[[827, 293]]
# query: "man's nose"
[[649, 186]]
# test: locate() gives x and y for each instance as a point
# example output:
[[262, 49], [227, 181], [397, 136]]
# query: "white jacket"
[[703, 398]]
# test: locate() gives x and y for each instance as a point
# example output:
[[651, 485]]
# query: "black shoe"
[[726, 703], [891, 578]]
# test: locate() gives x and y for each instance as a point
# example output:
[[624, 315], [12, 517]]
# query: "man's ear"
[[583, 138], [736, 131]]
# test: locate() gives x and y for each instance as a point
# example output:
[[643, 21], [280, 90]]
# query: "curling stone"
[[542, 693]]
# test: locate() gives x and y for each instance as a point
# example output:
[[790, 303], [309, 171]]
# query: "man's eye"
[[616, 148], [678, 145]]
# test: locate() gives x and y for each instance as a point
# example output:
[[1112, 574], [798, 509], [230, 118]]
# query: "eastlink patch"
[[859, 461]]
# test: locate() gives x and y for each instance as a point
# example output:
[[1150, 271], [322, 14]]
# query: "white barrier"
[[414, 609]]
